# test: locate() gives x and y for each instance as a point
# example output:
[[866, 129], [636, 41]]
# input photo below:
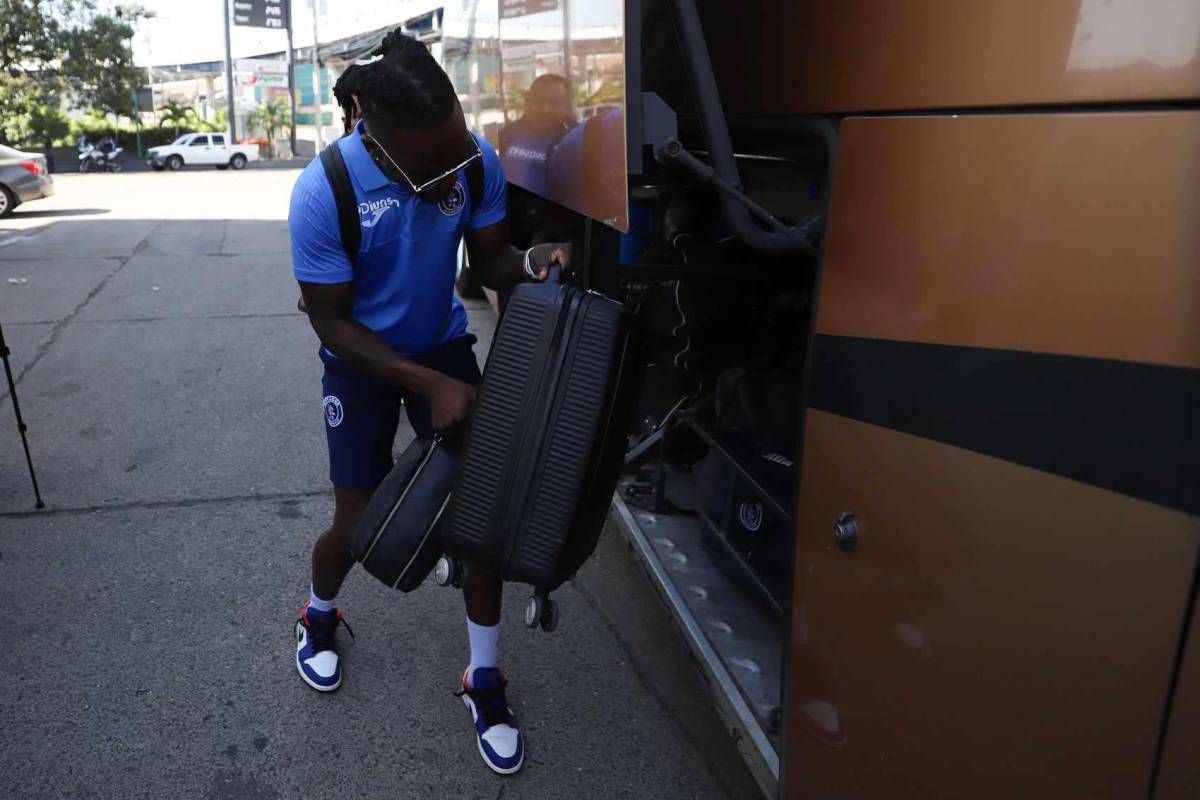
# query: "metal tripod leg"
[[12, 392]]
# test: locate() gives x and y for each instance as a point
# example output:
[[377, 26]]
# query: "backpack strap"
[[591, 154], [563, 130], [475, 182], [343, 195]]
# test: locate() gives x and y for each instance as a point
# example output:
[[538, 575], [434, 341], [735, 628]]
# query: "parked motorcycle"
[[101, 158]]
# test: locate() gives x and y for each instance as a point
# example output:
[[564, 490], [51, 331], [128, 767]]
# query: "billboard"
[[261, 66], [544, 81], [260, 13], [523, 8], [261, 79]]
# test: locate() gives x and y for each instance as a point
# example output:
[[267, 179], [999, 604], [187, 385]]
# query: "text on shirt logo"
[[372, 211], [527, 154]]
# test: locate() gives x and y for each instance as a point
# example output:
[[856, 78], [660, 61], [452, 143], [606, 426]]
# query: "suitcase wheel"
[[448, 572], [541, 612], [550, 616], [533, 612]]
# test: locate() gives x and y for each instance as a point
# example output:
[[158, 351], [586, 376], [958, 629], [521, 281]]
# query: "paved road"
[[173, 398]]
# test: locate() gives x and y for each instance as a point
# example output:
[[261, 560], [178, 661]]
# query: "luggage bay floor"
[[173, 399]]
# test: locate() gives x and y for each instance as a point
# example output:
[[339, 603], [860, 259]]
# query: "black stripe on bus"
[[1132, 428]]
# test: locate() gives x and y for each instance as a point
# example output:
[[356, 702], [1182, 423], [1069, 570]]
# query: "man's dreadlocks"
[[405, 88], [344, 91]]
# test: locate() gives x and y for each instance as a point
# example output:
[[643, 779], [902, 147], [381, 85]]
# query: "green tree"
[[42, 125], [97, 64], [55, 53], [271, 115], [176, 113]]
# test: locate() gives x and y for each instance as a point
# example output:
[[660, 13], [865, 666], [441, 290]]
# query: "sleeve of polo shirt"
[[492, 208], [317, 254]]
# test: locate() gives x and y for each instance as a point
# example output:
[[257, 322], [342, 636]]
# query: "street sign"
[[260, 13], [523, 8]]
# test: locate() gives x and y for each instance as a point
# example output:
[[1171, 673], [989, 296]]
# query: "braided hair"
[[405, 88], [344, 91]]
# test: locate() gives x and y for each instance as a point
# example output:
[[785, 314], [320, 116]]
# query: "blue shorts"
[[362, 413]]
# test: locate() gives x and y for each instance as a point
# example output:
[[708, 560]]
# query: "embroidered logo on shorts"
[[333, 411], [454, 201], [751, 516]]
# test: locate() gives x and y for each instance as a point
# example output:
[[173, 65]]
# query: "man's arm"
[[501, 266], [330, 307]]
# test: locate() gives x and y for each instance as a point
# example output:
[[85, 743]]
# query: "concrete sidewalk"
[[172, 395]]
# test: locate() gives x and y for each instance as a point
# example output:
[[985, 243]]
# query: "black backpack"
[[347, 204]]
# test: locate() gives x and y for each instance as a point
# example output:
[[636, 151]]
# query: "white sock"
[[485, 641], [318, 603]]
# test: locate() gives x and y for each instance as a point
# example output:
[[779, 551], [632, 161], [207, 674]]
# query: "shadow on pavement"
[[22, 213]]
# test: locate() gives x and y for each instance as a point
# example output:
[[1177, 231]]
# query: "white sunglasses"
[[431, 182]]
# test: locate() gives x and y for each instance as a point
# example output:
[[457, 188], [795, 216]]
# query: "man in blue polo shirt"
[[393, 334]]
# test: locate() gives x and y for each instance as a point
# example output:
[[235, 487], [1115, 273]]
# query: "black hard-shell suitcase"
[[396, 539], [546, 440]]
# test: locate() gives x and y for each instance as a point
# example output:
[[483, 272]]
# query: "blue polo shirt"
[[407, 261], [525, 160]]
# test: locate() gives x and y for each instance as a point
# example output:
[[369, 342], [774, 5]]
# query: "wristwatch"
[[529, 267]]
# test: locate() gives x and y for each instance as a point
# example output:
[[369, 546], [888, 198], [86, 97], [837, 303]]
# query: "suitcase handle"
[[555, 275]]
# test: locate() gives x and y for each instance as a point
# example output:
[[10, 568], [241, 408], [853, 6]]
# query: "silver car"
[[23, 177]]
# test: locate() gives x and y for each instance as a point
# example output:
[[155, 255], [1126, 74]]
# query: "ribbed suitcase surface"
[[509, 370], [571, 440], [545, 396]]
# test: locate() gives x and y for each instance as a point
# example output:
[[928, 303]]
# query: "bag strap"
[[591, 153], [554, 143], [343, 195], [475, 182]]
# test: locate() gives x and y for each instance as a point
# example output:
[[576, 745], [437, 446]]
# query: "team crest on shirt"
[[454, 201]]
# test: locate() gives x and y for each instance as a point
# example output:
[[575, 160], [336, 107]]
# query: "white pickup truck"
[[209, 149]]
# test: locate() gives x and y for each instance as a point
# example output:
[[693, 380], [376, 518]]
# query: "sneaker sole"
[[483, 755], [309, 681]]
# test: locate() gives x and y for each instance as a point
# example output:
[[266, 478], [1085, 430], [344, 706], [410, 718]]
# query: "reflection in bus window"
[[579, 171], [526, 144], [555, 65]]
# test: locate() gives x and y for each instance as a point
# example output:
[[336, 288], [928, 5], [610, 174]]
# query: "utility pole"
[[137, 122], [566, 18], [473, 66], [318, 111], [291, 59], [228, 74]]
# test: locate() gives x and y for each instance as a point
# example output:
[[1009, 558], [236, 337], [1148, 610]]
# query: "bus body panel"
[[862, 55], [1179, 770], [1004, 372]]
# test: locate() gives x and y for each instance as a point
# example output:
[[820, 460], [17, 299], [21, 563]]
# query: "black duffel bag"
[[396, 538]]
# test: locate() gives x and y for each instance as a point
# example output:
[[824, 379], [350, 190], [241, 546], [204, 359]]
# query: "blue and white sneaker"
[[316, 653], [496, 729]]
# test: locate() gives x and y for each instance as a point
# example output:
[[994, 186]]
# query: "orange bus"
[[916, 466]]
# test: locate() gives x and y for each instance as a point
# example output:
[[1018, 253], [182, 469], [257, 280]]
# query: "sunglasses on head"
[[418, 189]]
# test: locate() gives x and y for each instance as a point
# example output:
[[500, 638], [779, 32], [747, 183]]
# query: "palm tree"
[[175, 112], [272, 114]]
